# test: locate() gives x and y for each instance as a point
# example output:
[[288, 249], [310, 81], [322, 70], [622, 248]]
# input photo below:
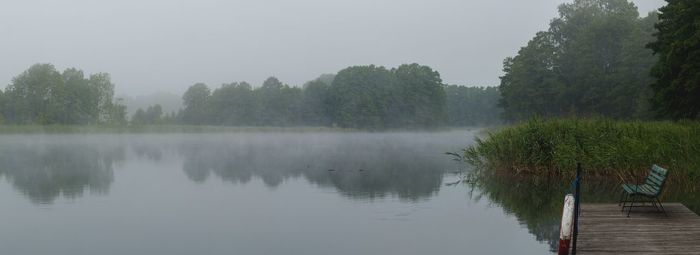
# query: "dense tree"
[[591, 61], [139, 117], [374, 97], [78, 99], [29, 95], [42, 95], [117, 113], [196, 105], [363, 97], [677, 88], [314, 101], [234, 104], [280, 103], [326, 78], [422, 96], [104, 94], [530, 85], [237, 103], [472, 106], [152, 115]]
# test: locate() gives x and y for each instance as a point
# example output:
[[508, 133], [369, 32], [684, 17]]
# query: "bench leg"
[[631, 205], [622, 195], [624, 201], [661, 206]]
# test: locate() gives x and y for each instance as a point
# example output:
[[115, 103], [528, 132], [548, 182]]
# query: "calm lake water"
[[259, 193]]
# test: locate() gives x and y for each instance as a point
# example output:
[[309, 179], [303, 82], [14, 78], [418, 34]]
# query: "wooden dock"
[[603, 229]]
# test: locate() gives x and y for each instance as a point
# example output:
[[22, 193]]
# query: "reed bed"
[[604, 147]]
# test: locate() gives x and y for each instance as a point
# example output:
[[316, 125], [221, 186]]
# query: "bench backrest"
[[656, 180]]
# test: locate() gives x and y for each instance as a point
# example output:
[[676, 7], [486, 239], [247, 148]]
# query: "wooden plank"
[[604, 229]]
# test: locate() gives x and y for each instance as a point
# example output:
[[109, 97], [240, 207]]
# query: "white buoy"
[[567, 225]]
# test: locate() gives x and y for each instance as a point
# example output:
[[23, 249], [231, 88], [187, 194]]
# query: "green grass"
[[604, 147]]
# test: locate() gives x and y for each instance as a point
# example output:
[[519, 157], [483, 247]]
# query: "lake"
[[259, 193]]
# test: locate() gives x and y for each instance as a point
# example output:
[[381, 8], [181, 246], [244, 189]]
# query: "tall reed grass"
[[604, 147]]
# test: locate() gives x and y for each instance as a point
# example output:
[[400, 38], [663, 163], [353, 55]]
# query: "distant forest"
[[366, 97], [363, 97]]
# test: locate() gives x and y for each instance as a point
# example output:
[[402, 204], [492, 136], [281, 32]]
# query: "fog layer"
[[151, 46]]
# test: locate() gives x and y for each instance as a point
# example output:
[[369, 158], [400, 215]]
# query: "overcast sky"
[[167, 45]]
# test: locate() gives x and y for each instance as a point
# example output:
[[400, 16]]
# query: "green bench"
[[650, 190]]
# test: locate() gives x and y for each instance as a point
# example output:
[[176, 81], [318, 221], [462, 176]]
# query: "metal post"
[[577, 202]]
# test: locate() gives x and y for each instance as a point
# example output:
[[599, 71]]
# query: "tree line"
[[600, 58], [365, 97]]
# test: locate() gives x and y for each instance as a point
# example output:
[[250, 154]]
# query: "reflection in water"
[[362, 166], [535, 202], [358, 166], [44, 170]]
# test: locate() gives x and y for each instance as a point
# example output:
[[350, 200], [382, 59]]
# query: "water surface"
[[252, 193]]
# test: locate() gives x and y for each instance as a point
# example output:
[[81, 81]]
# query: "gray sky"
[[167, 45]]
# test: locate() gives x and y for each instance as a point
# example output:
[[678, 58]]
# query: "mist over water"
[[246, 193]]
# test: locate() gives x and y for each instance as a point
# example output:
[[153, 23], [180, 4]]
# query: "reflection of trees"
[[535, 202], [47, 170], [364, 172], [151, 152], [360, 166], [357, 166]]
